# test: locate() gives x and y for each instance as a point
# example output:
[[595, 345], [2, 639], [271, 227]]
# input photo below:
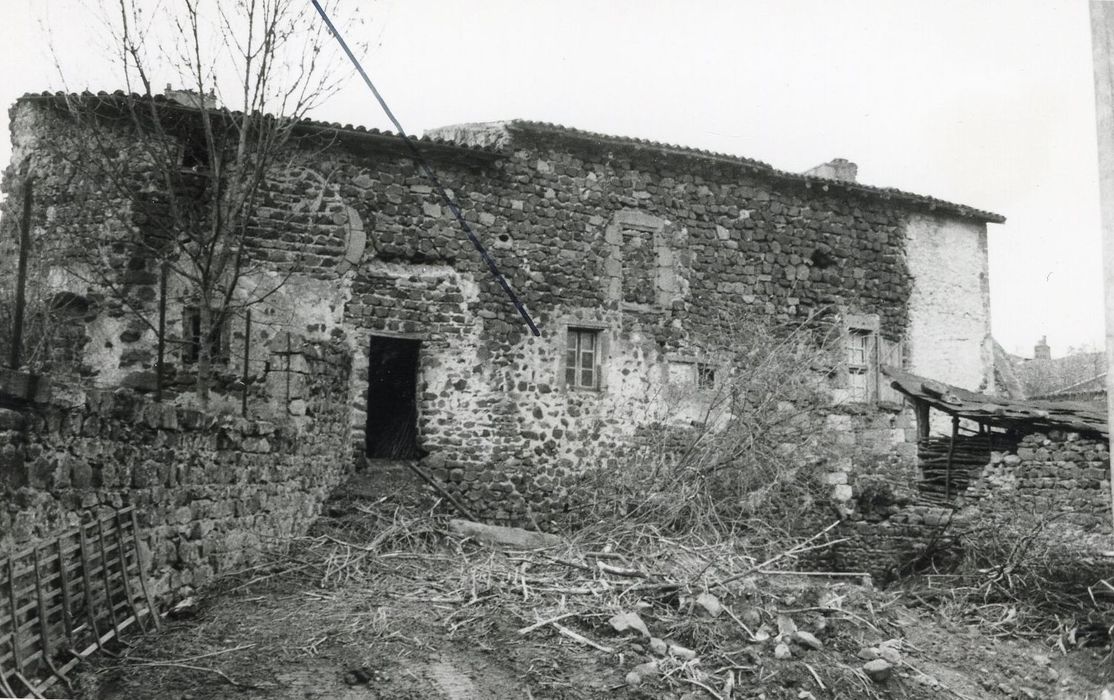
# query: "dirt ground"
[[400, 624]]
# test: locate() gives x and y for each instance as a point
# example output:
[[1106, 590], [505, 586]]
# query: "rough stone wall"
[[879, 455], [494, 405], [212, 491], [1056, 474], [1062, 476], [894, 546]]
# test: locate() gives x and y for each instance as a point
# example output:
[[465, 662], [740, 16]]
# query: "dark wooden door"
[[392, 398]]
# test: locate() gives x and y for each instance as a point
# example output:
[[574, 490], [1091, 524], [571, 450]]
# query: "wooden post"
[[165, 268], [21, 277], [951, 453], [247, 351], [1102, 59], [922, 410]]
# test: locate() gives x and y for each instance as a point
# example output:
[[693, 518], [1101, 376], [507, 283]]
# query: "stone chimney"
[[1041, 351], [835, 169], [191, 98]]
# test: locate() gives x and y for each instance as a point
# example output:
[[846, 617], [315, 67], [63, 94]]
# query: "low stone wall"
[[893, 546], [1054, 473], [211, 491], [1062, 476]]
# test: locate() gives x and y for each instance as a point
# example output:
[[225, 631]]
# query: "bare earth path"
[[402, 625]]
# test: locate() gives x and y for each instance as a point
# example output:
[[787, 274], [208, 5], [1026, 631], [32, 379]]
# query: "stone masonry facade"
[[634, 258]]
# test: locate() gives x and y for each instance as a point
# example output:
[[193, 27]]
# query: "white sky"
[[985, 103]]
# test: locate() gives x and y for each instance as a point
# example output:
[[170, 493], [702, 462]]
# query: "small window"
[[582, 358], [218, 347], [639, 267], [195, 154], [705, 376], [860, 364]]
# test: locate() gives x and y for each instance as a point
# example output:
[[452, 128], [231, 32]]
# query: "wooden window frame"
[[862, 359], [577, 376]]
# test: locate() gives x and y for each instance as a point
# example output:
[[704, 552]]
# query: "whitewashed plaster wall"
[[949, 308]]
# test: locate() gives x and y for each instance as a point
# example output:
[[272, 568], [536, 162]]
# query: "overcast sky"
[[985, 103]]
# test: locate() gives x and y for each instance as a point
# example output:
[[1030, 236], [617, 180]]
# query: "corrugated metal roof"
[[996, 411]]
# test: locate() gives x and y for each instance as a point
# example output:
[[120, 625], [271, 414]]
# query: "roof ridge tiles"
[[932, 203]]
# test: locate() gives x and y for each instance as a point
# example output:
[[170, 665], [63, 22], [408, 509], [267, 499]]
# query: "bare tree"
[[171, 186]]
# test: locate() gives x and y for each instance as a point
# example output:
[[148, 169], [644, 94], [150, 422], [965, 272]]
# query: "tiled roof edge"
[[757, 166], [305, 123]]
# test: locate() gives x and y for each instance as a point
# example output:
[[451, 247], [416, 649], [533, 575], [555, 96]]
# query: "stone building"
[[632, 257]]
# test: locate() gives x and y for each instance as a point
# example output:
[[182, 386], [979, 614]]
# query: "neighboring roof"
[[1006, 378], [1058, 375], [756, 166], [1093, 385], [1000, 412]]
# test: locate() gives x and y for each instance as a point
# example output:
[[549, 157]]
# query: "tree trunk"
[[204, 361]]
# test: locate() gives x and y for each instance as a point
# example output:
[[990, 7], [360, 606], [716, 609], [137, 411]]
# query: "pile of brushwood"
[[668, 615], [1021, 573], [744, 456]]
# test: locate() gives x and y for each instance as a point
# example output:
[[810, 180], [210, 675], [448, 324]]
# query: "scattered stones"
[[878, 670], [785, 626], [807, 639], [682, 653], [642, 672], [709, 604], [624, 622], [781, 651], [890, 654], [751, 617]]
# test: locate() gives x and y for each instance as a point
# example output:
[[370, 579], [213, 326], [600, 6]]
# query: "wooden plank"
[[46, 595], [107, 582], [124, 571], [14, 643], [142, 575], [44, 626], [67, 604], [85, 576], [4, 687]]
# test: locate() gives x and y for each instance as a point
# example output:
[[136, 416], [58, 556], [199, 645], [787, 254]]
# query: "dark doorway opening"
[[392, 398]]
